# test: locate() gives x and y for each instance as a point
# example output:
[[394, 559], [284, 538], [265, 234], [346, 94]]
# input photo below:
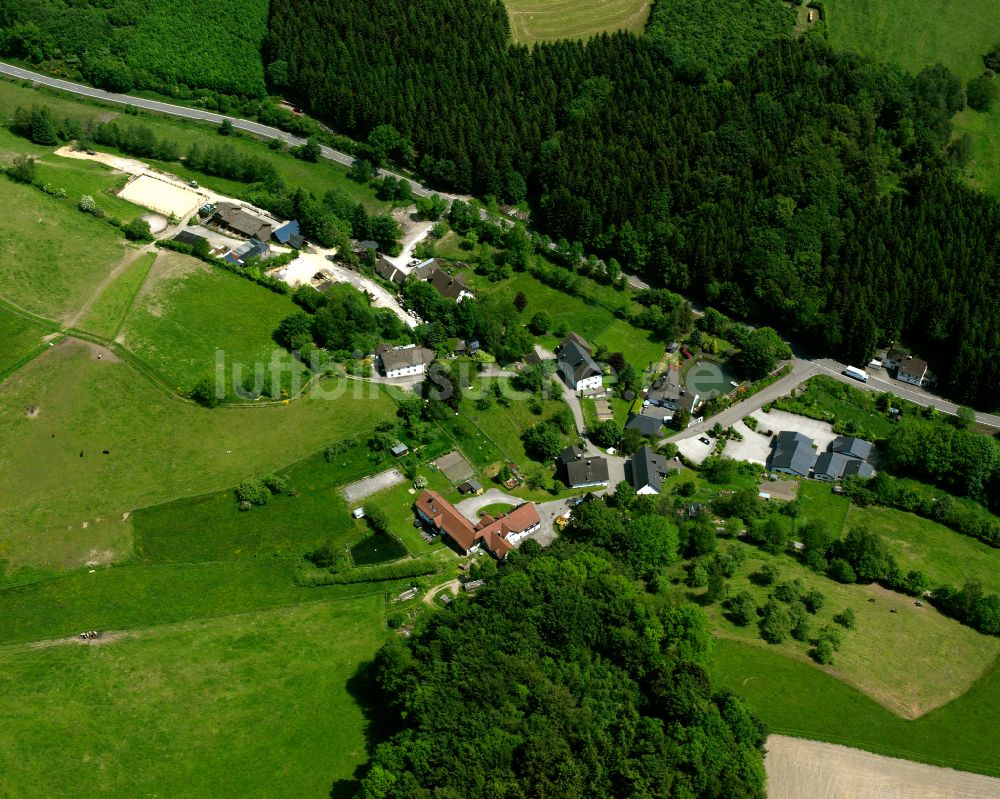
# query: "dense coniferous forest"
[[562, 678], [120, 45], [806, 185]]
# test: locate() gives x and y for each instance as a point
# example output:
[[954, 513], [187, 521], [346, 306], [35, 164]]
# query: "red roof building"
[[496, 535]]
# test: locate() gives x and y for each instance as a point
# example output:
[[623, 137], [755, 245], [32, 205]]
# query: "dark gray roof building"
[[647, 422], [648, 470], [830, 466], [853, 447], [856, 468], [580, 469], [187, 237], [575, 363], [793, 454]]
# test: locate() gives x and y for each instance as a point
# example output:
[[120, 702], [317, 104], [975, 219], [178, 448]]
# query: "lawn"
[[917, 33], [88, 177], [537, 20], [945, 556], [503, 427], [63, 502], [21, 338], [398, 501], [795, 698], [818, 502], [212, 528], [180, 710], [189, 314], [106, 315], [910, 661], [53, 256]]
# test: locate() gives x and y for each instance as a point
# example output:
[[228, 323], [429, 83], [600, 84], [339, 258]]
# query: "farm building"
[[496, 535], [243, 222]]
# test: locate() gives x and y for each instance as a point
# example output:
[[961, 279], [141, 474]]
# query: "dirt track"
[[801, 769]]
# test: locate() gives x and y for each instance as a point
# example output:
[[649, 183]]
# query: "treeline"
[[808, 186], [588, 689], [120, 45]]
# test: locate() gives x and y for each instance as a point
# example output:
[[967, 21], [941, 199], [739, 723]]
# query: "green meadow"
[[911, 660], [538, 20], [63, 502], [188, 311], [795, 698], [196, 709]]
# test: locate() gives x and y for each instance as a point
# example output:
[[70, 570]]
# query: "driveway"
[[470, 507]]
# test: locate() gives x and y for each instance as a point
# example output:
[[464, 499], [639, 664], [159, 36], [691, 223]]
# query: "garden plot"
[[161, 196]]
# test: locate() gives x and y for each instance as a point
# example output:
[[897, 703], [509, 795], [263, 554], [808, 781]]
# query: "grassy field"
[[944, 555], [59, 507], [109, 309], [503, 427], [911, 661], [537, 20], [54, 256], [797, 699], [188, 311], [21, 337], [588, 316], [917, 33], [818, 502], [88, 177], [182, 710], [212, 528]]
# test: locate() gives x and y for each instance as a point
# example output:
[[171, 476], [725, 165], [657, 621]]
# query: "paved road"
[[803, 369], [264, 131]]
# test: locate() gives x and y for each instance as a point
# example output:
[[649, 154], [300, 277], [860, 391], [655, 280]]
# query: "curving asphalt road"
[[264, 131]]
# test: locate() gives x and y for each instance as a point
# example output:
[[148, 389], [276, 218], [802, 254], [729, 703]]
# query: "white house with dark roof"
[[577, 366], [404, 361], [913, 371]]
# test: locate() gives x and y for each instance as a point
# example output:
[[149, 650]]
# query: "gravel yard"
[[362, 489]]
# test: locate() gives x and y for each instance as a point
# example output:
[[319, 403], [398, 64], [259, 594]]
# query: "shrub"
[[822, 652], [377, 518], [981, 93], [788, 591], [831, 634], [204, 393], [841, 571], [742, 608], [814, 601], [766, 574], [137, 230], [252, 491], [23, 169], [846, 619], [274, 484]]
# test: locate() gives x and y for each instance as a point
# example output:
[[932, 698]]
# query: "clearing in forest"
[[540, 20]]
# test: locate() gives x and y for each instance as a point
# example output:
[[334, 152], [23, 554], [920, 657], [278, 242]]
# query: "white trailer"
[[857, 374]]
